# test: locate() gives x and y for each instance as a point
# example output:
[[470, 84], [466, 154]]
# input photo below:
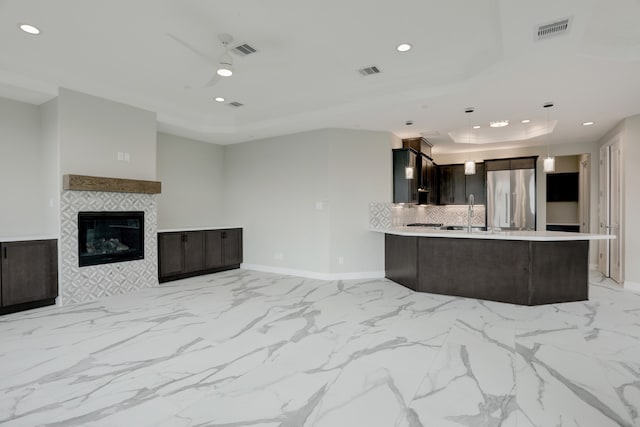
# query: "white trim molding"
[[314, 274]]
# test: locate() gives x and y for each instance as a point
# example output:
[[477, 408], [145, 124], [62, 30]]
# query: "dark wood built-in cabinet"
[[190, 253], [405, 190], [513, 271], [509, 164], [28, 274], [455, 186], [452, 184]]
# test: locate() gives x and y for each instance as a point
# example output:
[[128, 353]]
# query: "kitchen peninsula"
[[518, 267]]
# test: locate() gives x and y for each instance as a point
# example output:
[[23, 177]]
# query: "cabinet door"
[[232, 246], [444, 185], [459, 197], [193, 251], [213, 257], [451, 183], [29, 271], [170, 256], [523, 163], [476, 185], [405, 190]]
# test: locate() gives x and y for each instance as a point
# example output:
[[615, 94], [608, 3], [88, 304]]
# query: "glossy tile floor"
[[243, 348]]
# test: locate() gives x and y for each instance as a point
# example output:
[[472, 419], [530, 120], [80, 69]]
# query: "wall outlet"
[[341, 260], [319, 206], [120, 156], [127, 157], [279, 256]]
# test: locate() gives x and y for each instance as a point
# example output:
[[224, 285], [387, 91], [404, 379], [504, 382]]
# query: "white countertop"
[[177, 230], [549, 236], [6, 239]]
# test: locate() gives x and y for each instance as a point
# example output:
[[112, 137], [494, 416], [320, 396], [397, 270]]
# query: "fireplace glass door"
[[106, 237]]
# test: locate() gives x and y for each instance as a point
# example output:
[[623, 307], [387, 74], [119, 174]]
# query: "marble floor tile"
[[243, 348]]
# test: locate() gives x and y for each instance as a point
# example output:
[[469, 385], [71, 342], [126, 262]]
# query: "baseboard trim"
[[632, 286], [314, 274], [593, 266]]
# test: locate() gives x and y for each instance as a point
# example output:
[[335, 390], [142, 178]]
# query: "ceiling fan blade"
[[193, 49], [215, 79]]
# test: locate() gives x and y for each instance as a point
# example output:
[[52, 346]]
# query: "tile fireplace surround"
[[81, 284]]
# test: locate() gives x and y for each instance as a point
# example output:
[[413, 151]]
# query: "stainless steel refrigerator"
[[511, 199]]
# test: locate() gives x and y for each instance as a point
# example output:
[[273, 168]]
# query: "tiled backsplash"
[[384, 215]]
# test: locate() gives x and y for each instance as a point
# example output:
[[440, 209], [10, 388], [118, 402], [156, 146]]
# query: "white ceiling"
[[480, 54]]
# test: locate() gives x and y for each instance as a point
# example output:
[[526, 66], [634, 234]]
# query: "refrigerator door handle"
[[507, 219]]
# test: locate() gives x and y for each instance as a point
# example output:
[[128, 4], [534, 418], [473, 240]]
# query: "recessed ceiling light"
[[588, 123], [219, 99], [526, 121], [476, 127], [499, 123], [403, 47], [29, 29]]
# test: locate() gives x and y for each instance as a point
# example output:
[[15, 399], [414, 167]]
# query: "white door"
[[603, 210], [615, 214], [610, 211]]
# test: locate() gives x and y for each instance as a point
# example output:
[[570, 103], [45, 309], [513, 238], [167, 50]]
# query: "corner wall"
[[304, 198], [22, 171]]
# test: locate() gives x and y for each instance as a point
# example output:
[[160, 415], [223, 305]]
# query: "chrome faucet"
[[470, 212]]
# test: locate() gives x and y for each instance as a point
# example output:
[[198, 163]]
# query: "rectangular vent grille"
[[553, 29], [244, 50], [369, 70], [235, 104]]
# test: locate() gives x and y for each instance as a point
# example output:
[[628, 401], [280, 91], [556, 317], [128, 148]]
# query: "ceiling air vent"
[[243, 50], [235, 104], [553, 29], [369, 70]]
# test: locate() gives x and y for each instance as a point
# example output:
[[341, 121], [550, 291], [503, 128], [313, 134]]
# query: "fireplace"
[[107, 237]]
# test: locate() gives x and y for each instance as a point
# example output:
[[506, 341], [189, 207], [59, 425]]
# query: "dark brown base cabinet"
[[29, 275], [191, 253], [513, 271]]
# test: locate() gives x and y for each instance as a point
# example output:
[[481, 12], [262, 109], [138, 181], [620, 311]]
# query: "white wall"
[[628, 131], [360, 171], [52, 181], [22, 175], [272, 187], [303, 199], [92, 132], [631, 198], [192, 174]]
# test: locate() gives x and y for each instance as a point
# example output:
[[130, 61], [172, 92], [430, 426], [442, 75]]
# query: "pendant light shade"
[[408, 172], [549, 163], [469, 165]]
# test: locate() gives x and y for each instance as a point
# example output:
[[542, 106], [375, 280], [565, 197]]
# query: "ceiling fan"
[[223, 63]]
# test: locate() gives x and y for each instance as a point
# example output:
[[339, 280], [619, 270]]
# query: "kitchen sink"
[[463, 228]]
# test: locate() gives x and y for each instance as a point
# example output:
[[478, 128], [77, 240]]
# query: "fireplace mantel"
[[115, 185]]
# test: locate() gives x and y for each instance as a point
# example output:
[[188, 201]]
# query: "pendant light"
[[469, 165], [549, 163]]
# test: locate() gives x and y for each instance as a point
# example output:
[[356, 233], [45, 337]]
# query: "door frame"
[[605, 209]]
